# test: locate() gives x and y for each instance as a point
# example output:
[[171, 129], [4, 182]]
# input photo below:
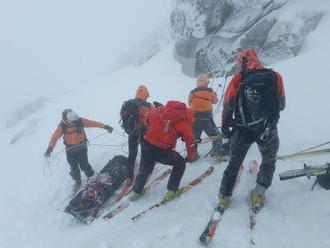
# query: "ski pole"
[[208, 139], [306, 152], [222, 93]]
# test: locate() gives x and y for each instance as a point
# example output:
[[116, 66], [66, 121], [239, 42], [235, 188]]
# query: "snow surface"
[[32, 196]]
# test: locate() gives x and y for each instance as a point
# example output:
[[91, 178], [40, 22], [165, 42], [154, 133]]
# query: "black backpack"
[[324, 181], [129, 113], [258, 101]]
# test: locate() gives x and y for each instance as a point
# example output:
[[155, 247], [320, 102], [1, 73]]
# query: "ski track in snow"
[[293, 216]]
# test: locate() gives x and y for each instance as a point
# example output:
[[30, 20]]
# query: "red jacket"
[[169, 123]]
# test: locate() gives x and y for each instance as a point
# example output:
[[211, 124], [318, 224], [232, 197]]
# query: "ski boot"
[[170, 195], [257, 197], [223, 203], [76, 187], [135, 196]]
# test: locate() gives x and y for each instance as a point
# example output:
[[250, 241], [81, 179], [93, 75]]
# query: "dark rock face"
[[210, 33]]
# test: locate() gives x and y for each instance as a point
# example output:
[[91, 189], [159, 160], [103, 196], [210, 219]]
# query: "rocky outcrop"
[[209, 33]]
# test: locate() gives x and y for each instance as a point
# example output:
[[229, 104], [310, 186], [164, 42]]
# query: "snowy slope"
[[31, 202]]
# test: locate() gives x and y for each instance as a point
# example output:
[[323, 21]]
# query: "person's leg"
[[147, 165], [210, 129], [239, 145], [173, 158], [84, 165], [74, 169], [268, 152], [133, 143], [197, 129]]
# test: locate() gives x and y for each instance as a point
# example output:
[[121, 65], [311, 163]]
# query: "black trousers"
[[133, 145], [207, 125], [240, 143], [152, 154], [78, 160]]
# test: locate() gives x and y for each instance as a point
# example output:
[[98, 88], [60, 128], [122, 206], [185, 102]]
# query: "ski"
[[126, 204], [253, 171], [182, 190], [207, 235]]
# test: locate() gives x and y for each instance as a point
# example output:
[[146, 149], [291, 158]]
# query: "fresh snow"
[[33, 196]]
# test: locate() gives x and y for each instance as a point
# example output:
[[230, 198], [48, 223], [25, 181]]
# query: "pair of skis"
[[161, 203], [218, 213]]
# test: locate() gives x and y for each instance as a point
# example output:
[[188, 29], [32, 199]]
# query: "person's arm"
[[280, 91], [56, 136], [230, 101], [215, 99], [185, 131], [190, 98], [53, 140], [90, 123]]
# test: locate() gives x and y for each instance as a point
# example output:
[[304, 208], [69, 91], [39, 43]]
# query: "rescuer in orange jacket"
[[71, 128]]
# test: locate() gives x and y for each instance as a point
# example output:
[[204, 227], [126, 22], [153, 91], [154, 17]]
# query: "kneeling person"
[[165, 126]]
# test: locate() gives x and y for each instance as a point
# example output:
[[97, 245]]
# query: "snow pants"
[[240, 143], [152, 154], [204, 122], [133, 145], [78, 160]]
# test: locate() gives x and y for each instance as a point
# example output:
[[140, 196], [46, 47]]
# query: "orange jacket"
[[201, 99], [73, 134]]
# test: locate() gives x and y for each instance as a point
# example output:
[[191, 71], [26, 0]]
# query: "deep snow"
[[32, 196], [293, 217]]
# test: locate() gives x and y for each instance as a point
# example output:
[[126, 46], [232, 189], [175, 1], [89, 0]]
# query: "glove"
[[192, 155], [48, 152], [192, 159], [226, 133], [267, 134], [108, 128]]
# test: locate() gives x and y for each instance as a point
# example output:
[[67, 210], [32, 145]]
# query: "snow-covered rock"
[[210, 33]]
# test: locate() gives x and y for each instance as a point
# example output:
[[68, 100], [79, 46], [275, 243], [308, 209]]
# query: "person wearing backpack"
[[72, 128], [165, 126], [251, 107], [133, 115], [201, 100]]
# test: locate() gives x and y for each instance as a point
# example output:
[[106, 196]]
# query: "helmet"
[[69, 115]]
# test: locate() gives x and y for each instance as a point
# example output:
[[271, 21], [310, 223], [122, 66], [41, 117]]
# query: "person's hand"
[[267, 134], [108, 128], [48, 152], [226, 133], [192, 159]]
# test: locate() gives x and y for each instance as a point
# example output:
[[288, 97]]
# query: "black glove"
[[48, 152], [226, 133], [158, 104], [108, 128], [268, 133]]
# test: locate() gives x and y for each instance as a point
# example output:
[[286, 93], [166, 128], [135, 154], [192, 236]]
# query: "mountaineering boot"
[[135, 196], [76, 187], [257, 198], [224, 202], [170, 195]]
